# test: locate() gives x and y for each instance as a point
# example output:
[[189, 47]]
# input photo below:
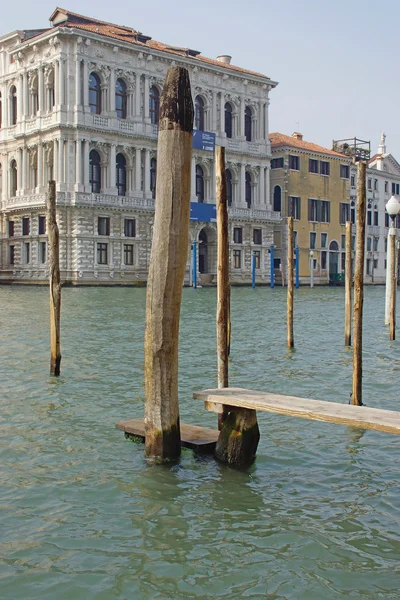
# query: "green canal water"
[[83, 516]]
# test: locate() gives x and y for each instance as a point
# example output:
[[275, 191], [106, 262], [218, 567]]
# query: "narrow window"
[[154, 104], [27, 252], [130, 228], [323, 260], [13, 105], [42, 252], [153, 177], [120, 98], [41, 225], [257, 257], [386, 186], [228, 120], [121, 174], [199, 183], [277, 198], [229, 189], [247, 123], [324, 240], [294, 162], [277, 163], [10, 228], [369, 183], [353, 181], [376, 218], [294, 207], [103, 225], [12, 255], [312, 165], [257, 237], [199, 113], [344, 213], [26, 225], [128, 254], [344, 171], [94, 172], [237, 259], [102, 254], [237, 235], [94, 94], [324, 167], [248, 189], [313, 240], [14, 178]]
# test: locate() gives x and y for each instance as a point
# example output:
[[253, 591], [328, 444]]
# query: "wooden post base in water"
[[238, 438]]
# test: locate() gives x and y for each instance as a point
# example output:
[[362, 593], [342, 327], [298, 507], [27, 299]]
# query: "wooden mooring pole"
[[347, 291], [54, 280], [167, 267], [290, 338], [359, 286], [222, 269], [393, 289]]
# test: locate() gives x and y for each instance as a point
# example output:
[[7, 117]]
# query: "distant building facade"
[[79, 104], [312, 184]]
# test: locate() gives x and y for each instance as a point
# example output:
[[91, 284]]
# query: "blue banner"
[[204, 140], [203, 212]]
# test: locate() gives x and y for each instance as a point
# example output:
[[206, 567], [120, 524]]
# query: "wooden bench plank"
[[192, 436], [316, 410]]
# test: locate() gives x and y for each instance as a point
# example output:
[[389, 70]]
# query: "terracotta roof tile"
[[127, 34], [279, 139]]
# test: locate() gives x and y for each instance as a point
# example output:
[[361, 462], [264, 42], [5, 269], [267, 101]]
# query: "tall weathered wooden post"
[[347, 292], [54, 280], [167, 266], [359, 286], [290, 246], [222, 269]]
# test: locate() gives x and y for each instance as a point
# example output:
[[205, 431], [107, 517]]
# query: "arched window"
[[199, 183], [153, 177], [120, 99], [13, 105], [277, 198], [228, 120], [94, 171], [199, 113], [13, 178], [229, 190], [248, 189], [94, 93], [120, 177], [154, 104], [247, 123]]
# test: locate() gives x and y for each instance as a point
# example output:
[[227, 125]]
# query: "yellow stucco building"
[[312, 184]]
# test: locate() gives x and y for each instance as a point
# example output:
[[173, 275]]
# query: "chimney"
[[224, 58], [297, 136]]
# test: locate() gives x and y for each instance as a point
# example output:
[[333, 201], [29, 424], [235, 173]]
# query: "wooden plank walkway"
[[221, 400], [192, 436]]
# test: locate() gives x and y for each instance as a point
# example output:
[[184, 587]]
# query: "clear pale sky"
[[336, 63]]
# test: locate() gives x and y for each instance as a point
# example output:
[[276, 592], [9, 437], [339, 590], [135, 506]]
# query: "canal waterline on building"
[[85, 516]]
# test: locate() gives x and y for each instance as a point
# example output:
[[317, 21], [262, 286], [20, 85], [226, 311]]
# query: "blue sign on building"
[[203, 212], [204, 140]]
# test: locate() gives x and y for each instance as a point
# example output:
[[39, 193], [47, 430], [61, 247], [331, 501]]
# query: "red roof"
[[127, 34], [279, 140]]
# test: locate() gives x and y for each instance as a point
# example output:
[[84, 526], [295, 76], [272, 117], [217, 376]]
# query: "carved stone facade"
[[55, 124]]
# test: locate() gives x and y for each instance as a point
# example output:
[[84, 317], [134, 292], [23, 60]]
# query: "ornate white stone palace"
[[79, 104]]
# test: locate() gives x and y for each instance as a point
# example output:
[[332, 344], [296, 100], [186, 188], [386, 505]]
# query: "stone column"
[[61, 178], [261, 113], [62, 81], [19, 172], [56, 83], [146, 99], [41, 106], [147, 174], [241, 118], [24, 185], [138, 171], [19, 98], [39, 166], [193, 197], [113, 167], [262, 188], [25, 110], [78, 83], [242, 198], [78, 165], [266, 124], [268, 195], [214, 112], [86, 152], [112, 92], [137, 96], [86, 85]]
